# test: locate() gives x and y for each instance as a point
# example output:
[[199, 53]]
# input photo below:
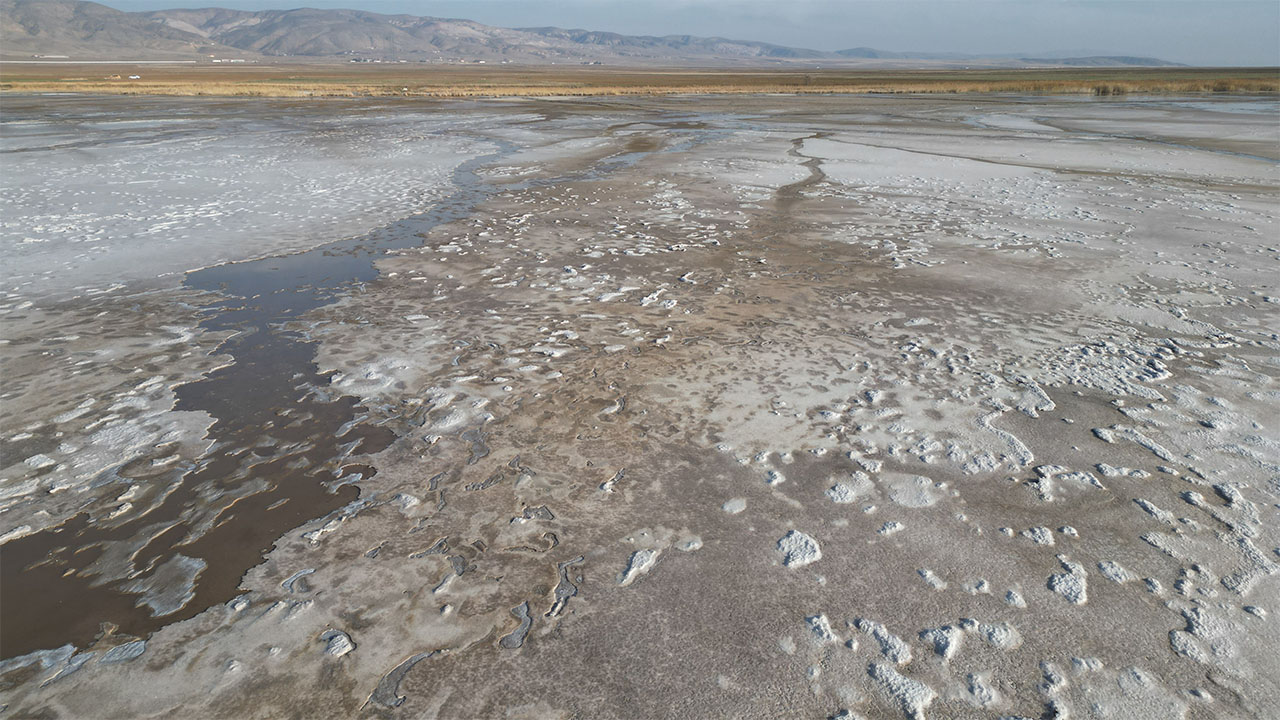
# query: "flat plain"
[[325, 79], [692, 405]]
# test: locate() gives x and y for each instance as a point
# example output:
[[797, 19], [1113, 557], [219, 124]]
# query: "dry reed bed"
[[335, 82], [302, 90]]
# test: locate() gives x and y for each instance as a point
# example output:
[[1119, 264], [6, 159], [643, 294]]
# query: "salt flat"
[[731, 407]]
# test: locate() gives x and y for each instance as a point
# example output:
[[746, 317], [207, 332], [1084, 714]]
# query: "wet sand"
[[790, 407]]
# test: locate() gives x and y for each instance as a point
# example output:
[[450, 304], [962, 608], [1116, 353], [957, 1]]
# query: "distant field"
[[320, 80]]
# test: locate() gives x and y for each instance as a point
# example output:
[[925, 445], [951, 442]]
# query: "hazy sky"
[[1199, 32]]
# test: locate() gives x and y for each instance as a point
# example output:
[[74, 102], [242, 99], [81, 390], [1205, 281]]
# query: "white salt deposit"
[[945, 640], [641, 562], [337, 643], [199, 194], [798, 549], [913, 491], [820, 629], [892, 647], [1071, 585], [912, 697], [170, 586]]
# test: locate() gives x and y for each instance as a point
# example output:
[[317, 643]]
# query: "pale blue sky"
[[1198, 32]]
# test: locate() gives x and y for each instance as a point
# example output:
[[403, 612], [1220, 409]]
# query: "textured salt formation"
[[891, 646], [911, 696], [891, 527], [911, 491], [124, 653], [194, 194], [891, 290], [1002, 636], [641, 562], [1039, 535], [1071, 585], [67, 442], [858, 485], [842, 494], [1115, 572], [337, 643], [1052, 478], [945, 640], [170, 586], [928, 575], [820, 629], [1111, 471], [798, 549]]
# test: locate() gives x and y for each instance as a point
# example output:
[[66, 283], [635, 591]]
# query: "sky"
[[1195, 32]]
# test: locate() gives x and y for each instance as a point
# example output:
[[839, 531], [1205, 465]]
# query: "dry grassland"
[[320, 80]]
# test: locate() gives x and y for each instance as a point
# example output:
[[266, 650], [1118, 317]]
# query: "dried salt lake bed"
[[727, 407]]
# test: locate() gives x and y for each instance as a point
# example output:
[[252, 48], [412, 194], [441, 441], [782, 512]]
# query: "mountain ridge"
[[85, 30]]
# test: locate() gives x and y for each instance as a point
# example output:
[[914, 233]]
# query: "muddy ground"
[[742, 407]]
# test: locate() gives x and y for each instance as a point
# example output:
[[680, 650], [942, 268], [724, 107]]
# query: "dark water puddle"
[[271, 396], [278, 439]]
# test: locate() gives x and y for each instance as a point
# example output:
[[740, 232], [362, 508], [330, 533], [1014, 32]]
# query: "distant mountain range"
[[67, 29]]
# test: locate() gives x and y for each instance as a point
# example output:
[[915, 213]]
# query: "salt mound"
[[798, 549]]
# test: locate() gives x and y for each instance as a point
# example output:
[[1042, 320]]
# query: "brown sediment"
[[51, 596], [234, 504], [275, 456]]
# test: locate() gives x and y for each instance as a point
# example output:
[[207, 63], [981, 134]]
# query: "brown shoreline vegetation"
[[391, 80]]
